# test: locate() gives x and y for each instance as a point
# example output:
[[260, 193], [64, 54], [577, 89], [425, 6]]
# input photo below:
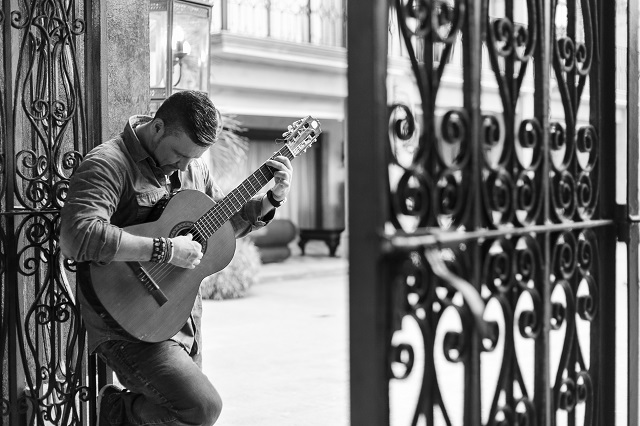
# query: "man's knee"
[[208, 407]]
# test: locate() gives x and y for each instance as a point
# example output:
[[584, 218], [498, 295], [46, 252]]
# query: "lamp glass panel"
[[158, 38], [190, 46]]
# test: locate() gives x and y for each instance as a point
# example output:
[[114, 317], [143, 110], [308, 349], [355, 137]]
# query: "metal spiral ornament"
[[495, 201], [49, 134]]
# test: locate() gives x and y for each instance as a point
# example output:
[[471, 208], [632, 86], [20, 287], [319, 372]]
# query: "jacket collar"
[[131, 141]]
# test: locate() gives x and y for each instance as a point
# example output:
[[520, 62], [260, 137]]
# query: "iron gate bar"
[[369, 322], [418, 239], [95, 90], [12, 304], [633, 213], [633, 321], [95, 72], [542, 70], [603, 111], [472, 74], [22, 212], [96, 105]]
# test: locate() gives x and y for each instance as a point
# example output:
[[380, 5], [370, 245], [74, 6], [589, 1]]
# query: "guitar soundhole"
[[184, 228]]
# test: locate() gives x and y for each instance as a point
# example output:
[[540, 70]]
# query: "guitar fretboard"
[[222, 211]]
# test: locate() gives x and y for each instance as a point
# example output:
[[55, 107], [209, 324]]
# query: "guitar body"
[[153, 301], [130, 303]]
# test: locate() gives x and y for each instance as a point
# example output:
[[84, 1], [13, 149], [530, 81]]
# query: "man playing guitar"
[[116, 186]]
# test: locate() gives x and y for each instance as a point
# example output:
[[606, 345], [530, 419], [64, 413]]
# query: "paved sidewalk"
[[279, 357]]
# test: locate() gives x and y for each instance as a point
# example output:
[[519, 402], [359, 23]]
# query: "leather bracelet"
[[167, 247], [273, 201], [170, 250], [159, 248], [162, 250]]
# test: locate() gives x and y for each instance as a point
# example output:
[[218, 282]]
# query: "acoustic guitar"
[[152, 301]]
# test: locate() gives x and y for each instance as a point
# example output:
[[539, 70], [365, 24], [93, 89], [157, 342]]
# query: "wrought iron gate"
[[482, 278], [48, 120]]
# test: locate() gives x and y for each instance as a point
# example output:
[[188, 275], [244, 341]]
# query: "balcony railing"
[[318, 22], [322, 22]]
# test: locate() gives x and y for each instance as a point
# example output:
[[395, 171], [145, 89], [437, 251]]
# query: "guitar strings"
[[163, 270], [160, 271], [208, 224]]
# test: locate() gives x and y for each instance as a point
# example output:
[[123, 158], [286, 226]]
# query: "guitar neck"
[[222, 211]]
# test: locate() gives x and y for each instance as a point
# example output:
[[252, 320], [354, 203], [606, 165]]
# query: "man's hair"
[[193, 113]]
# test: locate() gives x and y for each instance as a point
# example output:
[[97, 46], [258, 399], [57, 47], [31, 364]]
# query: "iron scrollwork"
[[512, 272], [430, 346], [48, 136], [3, 112], [52, 338], [436, 319], [574, 302], [47, 80], [432, 181], [528, 175], [513, 146], [574, 143]]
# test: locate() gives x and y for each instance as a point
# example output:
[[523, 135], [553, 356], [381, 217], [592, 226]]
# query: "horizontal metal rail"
[[436, 237], [26, 212]]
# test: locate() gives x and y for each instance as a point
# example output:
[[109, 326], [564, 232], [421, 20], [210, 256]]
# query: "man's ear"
[[157, 126]]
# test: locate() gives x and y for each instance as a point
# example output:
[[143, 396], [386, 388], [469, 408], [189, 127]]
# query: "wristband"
[[162, 250], [273, 201], [170, 251], [159, 249]]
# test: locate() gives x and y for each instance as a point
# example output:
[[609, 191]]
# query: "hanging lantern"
[[178, 47]]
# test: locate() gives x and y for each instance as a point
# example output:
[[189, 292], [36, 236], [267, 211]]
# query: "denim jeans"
[[165, 386]]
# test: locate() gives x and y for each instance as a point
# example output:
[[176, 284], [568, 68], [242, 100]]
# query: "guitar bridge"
[[148, 282]]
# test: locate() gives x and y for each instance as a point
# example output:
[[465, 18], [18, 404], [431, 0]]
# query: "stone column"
[[126, 52]]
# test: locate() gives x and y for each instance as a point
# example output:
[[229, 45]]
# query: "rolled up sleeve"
[[86, 233], [248, 218]]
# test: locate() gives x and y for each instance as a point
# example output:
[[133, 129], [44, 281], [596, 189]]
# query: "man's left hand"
[[282, 177]]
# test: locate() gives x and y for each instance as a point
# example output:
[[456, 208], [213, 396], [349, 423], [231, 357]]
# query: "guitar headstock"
[[301, 134]]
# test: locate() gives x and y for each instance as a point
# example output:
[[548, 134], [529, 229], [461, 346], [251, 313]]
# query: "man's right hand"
[[186, 252]]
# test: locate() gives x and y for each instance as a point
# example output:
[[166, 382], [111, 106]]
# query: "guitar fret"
[[204, 230], [203, 227], [227, 210], [262, 173], [235, 197]]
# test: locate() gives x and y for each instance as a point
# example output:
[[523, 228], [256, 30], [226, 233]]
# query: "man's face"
[[174, 151]]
